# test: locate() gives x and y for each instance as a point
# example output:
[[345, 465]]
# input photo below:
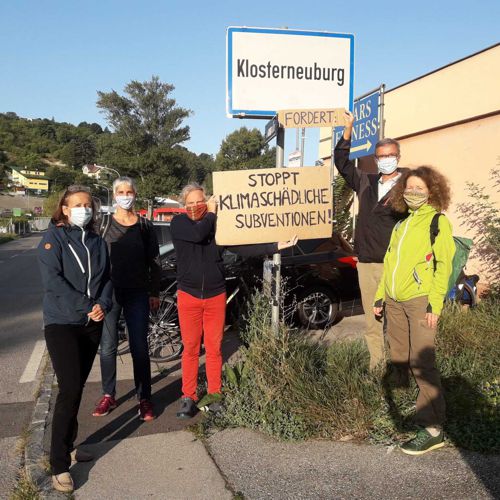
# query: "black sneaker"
[[187, 409], [422, 443], [211, 403]]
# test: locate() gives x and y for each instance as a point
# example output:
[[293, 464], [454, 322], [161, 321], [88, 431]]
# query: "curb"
[[33, 452]]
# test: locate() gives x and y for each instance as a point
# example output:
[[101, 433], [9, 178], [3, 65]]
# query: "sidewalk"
[[162, 459]]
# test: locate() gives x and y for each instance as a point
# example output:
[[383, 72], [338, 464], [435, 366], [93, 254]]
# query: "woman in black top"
[[135, 273]]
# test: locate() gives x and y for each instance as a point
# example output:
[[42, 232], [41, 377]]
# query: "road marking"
[[15, 255], [29, 373]]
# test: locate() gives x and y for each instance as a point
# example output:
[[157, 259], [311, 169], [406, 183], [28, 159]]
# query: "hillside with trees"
[[144, 138]]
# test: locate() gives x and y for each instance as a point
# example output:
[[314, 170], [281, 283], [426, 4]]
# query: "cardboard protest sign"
[[301, 118], [270, 205]]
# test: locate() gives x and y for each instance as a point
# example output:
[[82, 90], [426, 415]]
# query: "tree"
[[93, 128], [481, 215], [148, 133], [61, 177], [79, 152], [244, 149], [51, 202], [146, 115], [30, 160]]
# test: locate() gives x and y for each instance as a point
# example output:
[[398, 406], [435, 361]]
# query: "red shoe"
[[106, 404], [146, 410]]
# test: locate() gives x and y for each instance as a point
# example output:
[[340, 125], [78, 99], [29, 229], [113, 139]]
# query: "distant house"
[[92, 170], [30, 178]]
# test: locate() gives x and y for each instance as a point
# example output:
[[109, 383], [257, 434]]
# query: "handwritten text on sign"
[[269, 205], [299, 118]]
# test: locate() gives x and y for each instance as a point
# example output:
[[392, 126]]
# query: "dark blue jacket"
[[75, 274]]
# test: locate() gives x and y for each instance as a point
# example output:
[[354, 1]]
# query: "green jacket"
[[409, 269]]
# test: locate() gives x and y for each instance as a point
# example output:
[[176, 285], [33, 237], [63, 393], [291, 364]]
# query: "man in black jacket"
[[376, 220]]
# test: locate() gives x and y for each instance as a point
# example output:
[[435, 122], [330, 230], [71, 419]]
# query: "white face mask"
[[387, 165], [80, 216], [125, 202]]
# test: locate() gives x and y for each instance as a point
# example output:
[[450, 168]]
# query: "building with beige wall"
[[449, 118], [30, 179]]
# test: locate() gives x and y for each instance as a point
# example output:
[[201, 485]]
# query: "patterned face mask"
[[197, 212], [415, 199]]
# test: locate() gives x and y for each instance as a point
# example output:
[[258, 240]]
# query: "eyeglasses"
[[383, 157]]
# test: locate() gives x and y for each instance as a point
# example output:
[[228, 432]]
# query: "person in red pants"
[[201, 297]]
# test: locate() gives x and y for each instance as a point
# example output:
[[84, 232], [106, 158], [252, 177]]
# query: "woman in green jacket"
[[413, 287]]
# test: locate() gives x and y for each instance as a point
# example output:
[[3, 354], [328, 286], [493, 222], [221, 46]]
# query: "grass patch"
[[5, 237], [293, 388], [25, 488]]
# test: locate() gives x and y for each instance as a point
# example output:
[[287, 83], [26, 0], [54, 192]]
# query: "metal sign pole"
[[332, 175], [355, 196], [381, 130], [276, 270]]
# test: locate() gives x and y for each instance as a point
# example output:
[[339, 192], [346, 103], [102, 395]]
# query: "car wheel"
[[317, 308]]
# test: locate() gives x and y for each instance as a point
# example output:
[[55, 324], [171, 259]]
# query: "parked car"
[[320, 277]]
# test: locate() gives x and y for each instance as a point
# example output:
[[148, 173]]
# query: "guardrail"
[[24, 227]]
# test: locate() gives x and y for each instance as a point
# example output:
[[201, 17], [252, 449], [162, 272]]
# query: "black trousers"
[[72, 350]]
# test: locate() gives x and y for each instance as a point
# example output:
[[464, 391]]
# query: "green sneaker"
[[211, 402], [422, 443]]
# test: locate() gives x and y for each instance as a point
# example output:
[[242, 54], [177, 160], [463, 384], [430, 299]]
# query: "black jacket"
[[74, 266], [376, 219], [200, 269]]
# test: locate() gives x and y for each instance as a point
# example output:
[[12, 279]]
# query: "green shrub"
[[292, 388], [5, 237]]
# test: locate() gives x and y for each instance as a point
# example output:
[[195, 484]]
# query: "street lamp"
[[110, 169]]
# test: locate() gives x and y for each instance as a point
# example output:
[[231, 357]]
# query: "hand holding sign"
[[212, 205], [349, 121], [348, 118]]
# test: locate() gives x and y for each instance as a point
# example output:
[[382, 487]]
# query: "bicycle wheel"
[[164, 335]]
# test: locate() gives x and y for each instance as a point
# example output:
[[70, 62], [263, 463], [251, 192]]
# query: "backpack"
[[459, 281]]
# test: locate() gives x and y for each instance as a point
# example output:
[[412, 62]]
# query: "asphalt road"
[[21, 347]]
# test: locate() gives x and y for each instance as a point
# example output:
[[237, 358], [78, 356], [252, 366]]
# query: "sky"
[[56, 55]]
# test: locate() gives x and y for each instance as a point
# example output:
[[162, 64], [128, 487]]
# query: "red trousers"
[[197, 318]]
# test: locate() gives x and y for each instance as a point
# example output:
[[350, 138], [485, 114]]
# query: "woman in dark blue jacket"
[[77, 293]]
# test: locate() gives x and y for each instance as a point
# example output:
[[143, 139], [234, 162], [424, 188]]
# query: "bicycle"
[[164, 337], [164, 334]]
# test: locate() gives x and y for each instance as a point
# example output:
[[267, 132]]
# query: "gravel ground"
[[260, 467]]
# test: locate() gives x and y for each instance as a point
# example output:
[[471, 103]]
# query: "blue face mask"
[[387, 165], [80, 216]]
